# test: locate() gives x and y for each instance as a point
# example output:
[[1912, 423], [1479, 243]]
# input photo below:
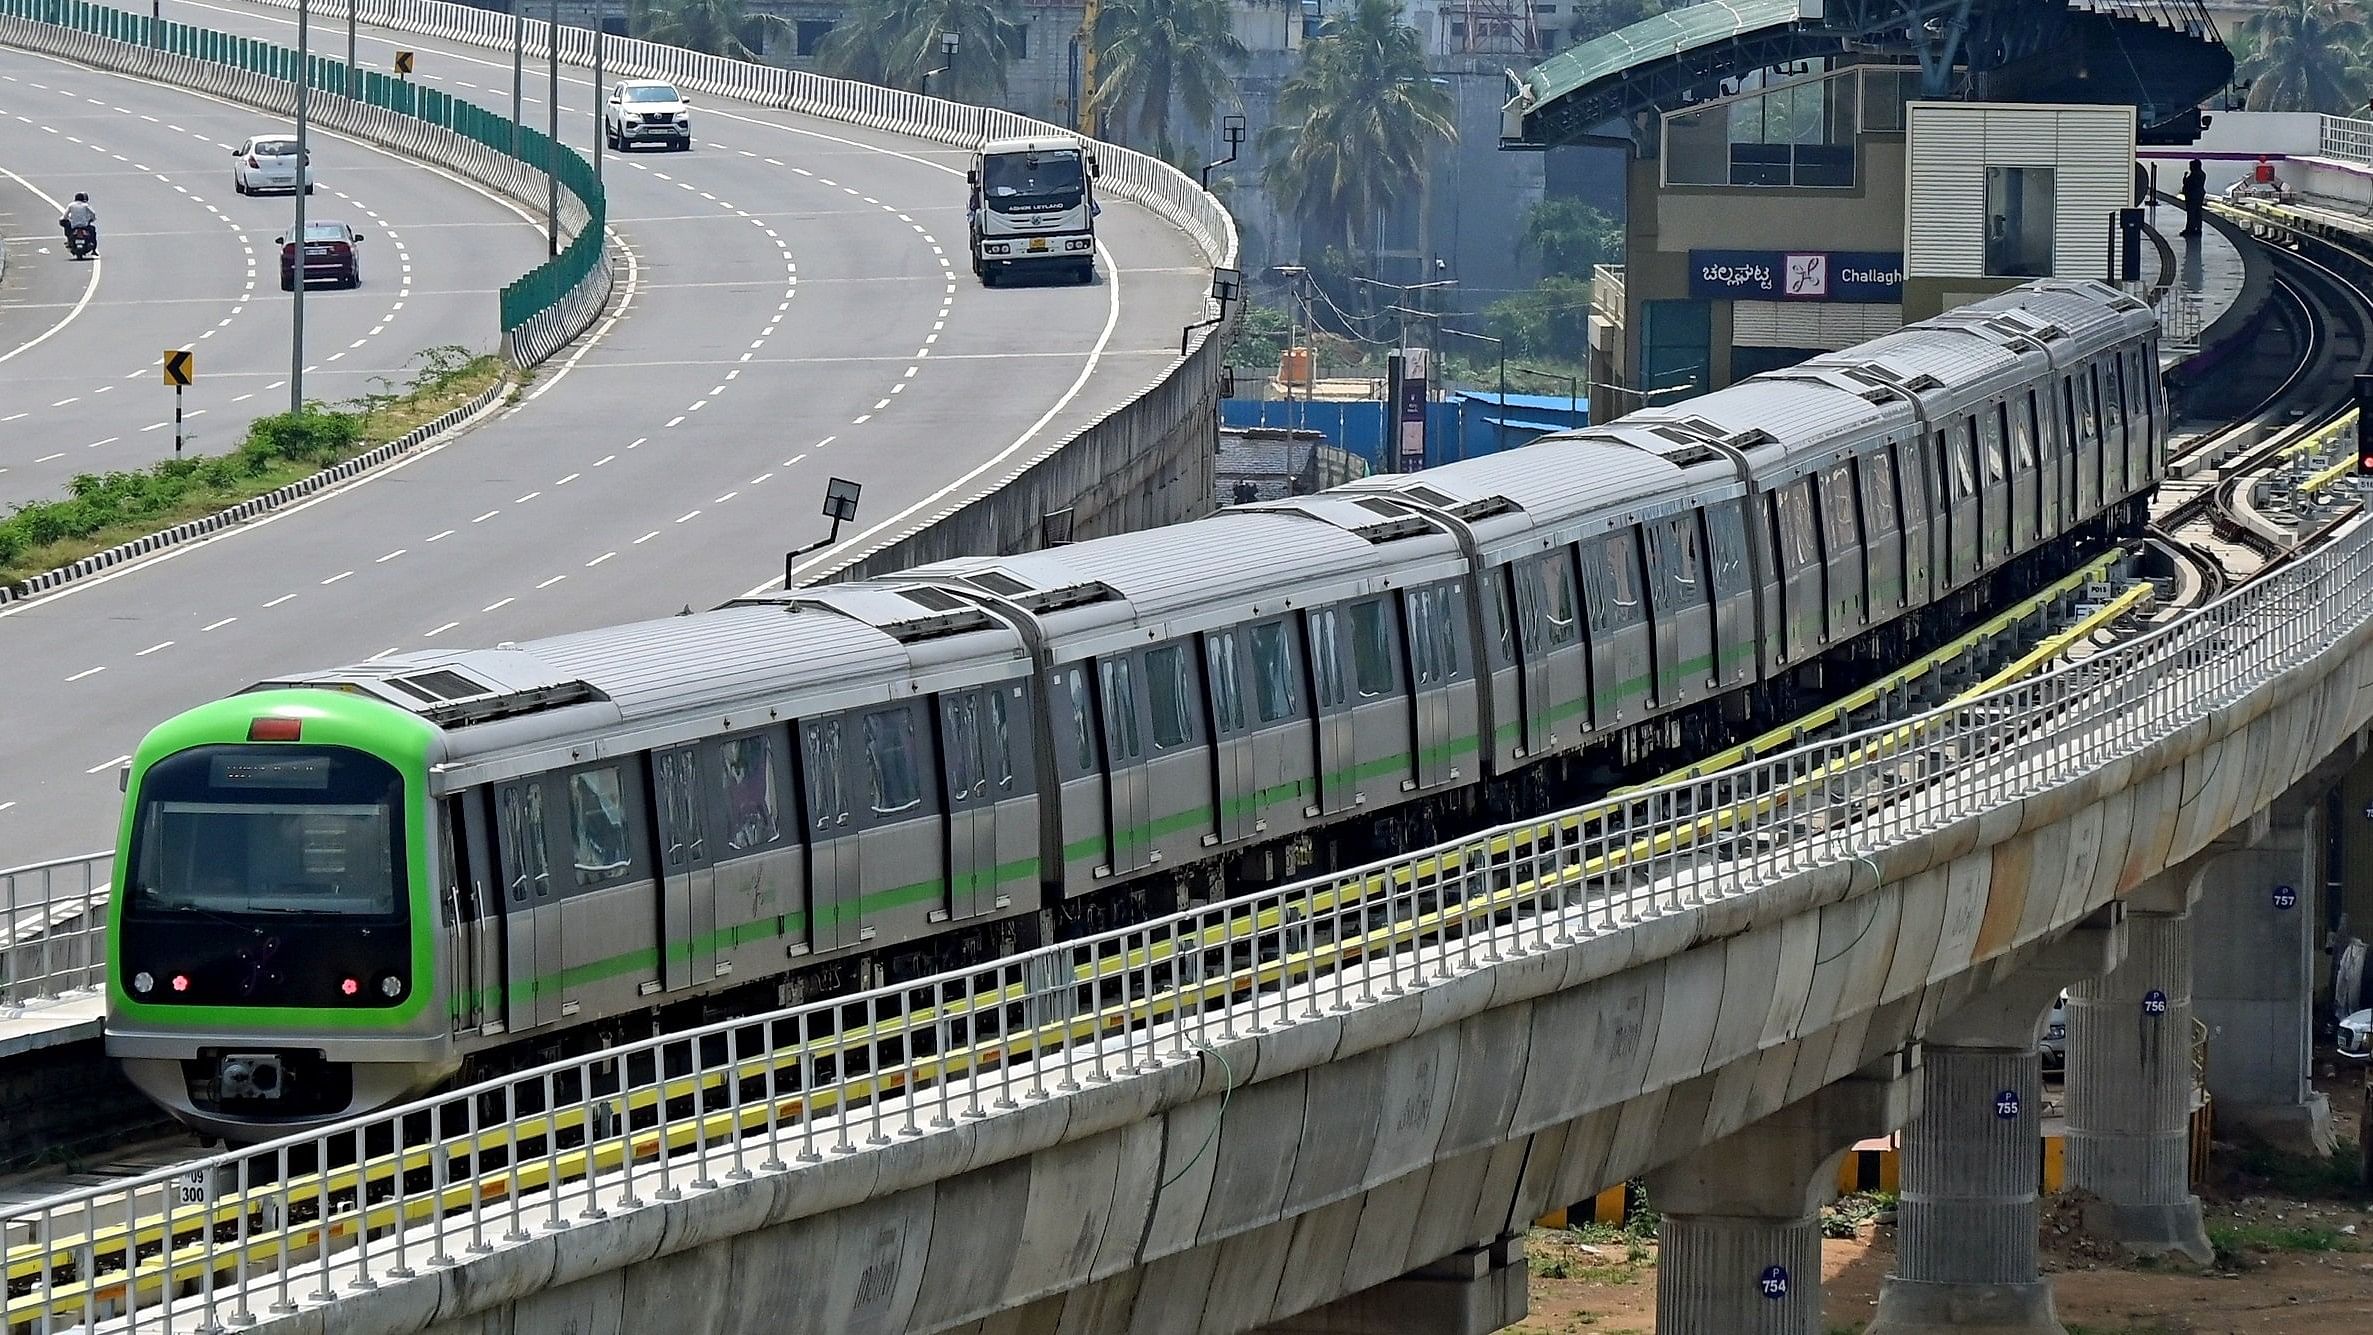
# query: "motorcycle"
[[81, 240]]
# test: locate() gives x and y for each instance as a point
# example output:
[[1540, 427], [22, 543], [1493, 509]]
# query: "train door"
[[1237, 793], [1128, 825], [1622, 653], [1177, 765], [1338, 760], [1798, 568], [901, 839], [1913, 514], [2078, 427], [972, 818], [687, 879], [1079, 803], [1284, 757], [1735, 651], [527, 900], [829, 777], [1842, 547], [2051, 467], [1012, 804], [1994, 505], [1663, 622], [475, 907], [1883, 543], [1526, 583], [1959, 442], [1431, 637]]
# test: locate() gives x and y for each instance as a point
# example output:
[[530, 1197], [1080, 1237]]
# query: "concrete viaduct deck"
[[1335, 1107]]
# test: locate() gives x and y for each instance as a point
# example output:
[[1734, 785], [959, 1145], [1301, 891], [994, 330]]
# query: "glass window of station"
[[1795, 131]]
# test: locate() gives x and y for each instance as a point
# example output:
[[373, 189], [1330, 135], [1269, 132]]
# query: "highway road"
[[794, 306], [186, 262]]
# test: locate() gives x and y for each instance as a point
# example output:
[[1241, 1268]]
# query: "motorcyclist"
[[81, 214]]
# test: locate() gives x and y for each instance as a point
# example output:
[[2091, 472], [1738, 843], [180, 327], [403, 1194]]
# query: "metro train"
[[341, 888]]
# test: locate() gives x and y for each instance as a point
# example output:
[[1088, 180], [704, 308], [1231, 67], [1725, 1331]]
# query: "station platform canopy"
[[2161, 56]]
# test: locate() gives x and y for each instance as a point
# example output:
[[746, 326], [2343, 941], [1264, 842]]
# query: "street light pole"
[[552, 138], [518, 71], [354, 77], [296, 242], [601, 42]]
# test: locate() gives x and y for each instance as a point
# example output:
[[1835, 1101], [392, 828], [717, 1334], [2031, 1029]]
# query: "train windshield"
[[1033, 180], [248, 831]]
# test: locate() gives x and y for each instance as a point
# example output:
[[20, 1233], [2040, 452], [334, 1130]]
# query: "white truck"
[[1033, 208]]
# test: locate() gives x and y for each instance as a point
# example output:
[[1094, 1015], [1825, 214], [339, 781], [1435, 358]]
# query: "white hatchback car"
[[268, 162]]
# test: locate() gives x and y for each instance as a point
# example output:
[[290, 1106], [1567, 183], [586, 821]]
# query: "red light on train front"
[[181, 982], [350, 986], [276, 730]]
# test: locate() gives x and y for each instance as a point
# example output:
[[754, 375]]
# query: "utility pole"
[[601, 42], [354, 76], [552, 139], [296, 240], [518, 72]]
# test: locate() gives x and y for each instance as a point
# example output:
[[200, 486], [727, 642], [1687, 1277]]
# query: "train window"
[[1121, 741], [1729, 543], [960, 744], [1227, 687], [747, 769], [1326, 663], [1958, 470], [2088, 406], [998, 740], [1169, 696], [890, 761], [2030, 431], [821, 744], [1554, 576], [2113, 403], [597, 825], [1796, 525], [1450, 609], [679, 803], [1878, 490], [1618, 560], [1073, 684], [1837, 492], [1433, 633], [1996, 429], [1371, 649], [1273, 672], [523, 839]]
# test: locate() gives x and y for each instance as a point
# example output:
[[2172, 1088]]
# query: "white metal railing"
[[1132, 175], [1606, 292], [2347, 138], [257, 1231], [53, 928]]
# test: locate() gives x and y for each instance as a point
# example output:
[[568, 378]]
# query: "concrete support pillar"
[[1470, 1292], [1965, 1254], [1740, 1249], [2130, 1081], [2256, 990]]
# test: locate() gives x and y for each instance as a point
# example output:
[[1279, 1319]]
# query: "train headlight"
[[144, 982], [390, 986]]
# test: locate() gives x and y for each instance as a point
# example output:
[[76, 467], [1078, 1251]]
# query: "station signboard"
[[1796, 275]]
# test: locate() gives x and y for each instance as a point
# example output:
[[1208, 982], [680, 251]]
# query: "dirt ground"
[[2295, 1257]]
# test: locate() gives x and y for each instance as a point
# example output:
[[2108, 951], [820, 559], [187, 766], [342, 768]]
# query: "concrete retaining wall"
[[1274, 1173]]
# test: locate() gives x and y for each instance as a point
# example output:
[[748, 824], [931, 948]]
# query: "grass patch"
[[2299, 1177], [101, 510], [2237, 1239]]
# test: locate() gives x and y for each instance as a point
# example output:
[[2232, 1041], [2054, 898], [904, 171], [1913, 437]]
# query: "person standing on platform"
[[2195, 197]]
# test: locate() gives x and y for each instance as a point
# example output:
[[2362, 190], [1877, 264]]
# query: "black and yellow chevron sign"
[[403, 62], [181, 367]]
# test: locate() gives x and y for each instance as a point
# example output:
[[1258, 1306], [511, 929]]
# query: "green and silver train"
[[345, 887]]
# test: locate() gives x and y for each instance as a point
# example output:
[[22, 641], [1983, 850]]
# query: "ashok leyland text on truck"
[[1033, 208]]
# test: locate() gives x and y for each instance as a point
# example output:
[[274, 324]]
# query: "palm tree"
[[898, 42], [719, 27], [1152, 51], [1354, 123], [2306, 55]]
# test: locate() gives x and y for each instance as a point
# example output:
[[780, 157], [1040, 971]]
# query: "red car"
[[330, 253]]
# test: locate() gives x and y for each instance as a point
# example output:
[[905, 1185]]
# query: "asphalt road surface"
[[795, 306]]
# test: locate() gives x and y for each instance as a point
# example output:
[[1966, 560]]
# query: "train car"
[[343, 887]]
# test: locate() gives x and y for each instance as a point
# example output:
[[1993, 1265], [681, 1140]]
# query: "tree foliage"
[[1354, 124], [897, 42], [1550, 322], [1154, 52], [2307, 55], [718, 27], [1571, 237]]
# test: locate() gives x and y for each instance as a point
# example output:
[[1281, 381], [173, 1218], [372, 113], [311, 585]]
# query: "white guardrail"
[[1130, 174], [262, 1231], [53, 929], [2347, 138]]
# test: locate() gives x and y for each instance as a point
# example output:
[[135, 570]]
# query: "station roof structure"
[[2161, 56]]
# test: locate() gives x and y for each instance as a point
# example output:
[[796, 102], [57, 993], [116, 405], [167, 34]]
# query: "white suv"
[[643, 111]]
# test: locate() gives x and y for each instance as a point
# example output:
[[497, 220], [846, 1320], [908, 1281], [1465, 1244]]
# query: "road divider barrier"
[[541, 311]]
